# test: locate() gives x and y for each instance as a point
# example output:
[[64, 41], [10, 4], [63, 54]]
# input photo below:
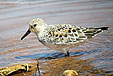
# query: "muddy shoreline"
[[58, 66]]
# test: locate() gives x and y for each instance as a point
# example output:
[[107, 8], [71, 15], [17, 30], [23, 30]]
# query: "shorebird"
[[61, 37], [70, 73]]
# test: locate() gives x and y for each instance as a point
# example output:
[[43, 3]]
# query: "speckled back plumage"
[[67, 34]]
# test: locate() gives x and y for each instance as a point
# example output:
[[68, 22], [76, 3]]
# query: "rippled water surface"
[[15, 15]]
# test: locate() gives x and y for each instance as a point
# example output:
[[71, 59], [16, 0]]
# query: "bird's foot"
[[67, 54]]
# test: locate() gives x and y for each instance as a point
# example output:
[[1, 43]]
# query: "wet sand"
[[14, 18]]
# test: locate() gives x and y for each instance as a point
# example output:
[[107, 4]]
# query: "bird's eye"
[[34, 25], [31, 26]]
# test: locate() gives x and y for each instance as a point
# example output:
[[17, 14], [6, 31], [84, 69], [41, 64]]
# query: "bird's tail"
[[91, 32], [103, 28]]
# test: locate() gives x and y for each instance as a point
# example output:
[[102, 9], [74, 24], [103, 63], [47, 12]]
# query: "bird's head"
[[35, 26]]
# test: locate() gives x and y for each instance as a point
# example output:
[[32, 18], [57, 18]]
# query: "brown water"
[[15, 15]]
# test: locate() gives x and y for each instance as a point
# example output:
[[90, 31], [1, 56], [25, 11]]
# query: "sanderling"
[[61, 37], [70, 73]]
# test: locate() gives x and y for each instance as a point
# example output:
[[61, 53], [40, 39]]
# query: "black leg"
[[67, 54]]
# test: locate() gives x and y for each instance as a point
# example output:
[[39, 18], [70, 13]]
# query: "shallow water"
[[15, 15]]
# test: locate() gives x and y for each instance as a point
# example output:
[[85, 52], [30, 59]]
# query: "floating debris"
[[16, 68], [38, 69], [70, 73]]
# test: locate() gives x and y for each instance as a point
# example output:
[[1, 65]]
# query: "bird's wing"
[[66, 34], [70, 34]]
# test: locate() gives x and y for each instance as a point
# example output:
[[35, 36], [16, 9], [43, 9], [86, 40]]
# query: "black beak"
[[27, 33]]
